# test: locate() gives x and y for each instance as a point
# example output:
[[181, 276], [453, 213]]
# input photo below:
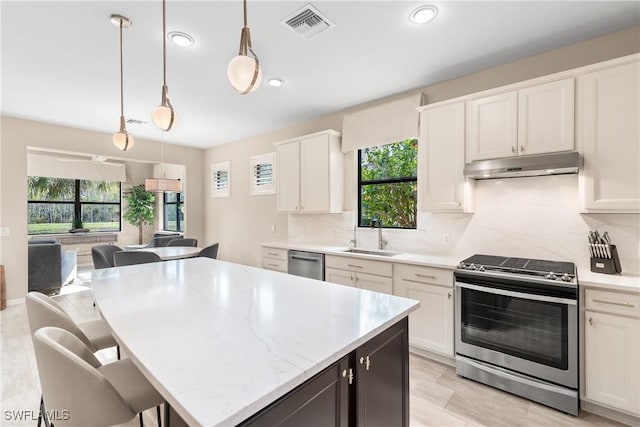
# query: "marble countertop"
[[621, 282], [220, 341], [448, 262]]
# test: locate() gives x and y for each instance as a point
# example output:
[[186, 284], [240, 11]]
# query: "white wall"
[[240, 223], [19, 134]]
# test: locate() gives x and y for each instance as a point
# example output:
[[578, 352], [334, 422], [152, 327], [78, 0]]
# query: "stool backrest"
[[134, 257]]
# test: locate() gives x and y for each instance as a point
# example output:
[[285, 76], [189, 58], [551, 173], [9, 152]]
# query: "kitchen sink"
[[370, 252]]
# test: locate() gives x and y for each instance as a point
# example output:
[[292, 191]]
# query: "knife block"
[[607, 265]]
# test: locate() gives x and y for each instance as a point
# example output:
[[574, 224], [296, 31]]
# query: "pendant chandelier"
[[122, 139], [244, 71], [160, 185], [163, 115]]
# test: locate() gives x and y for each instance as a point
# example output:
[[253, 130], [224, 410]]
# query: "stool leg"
[[158, 416], [141, 423], [118, 351]]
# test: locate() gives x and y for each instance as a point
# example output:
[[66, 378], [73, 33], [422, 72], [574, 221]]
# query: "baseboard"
[[612, 414], [15, 301], [447, 360]]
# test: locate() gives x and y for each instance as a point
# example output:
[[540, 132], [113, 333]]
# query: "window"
[[173, 211], [387, 183], [221, 179], [263, 174], [54, 203]]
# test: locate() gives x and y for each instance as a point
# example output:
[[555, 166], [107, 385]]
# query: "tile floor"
[[438, 396]]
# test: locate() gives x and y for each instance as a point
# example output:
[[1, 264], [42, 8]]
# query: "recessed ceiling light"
[[423, 14], [275, 82], [181, 39]]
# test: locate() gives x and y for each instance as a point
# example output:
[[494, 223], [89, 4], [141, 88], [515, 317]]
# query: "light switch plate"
[[4, 231]]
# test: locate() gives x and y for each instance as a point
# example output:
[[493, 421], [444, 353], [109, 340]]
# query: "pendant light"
[[163, 115], [160, 185], [122, 139], [244, 71]]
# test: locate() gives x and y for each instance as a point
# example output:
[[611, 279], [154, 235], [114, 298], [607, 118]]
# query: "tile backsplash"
[[535, 217]]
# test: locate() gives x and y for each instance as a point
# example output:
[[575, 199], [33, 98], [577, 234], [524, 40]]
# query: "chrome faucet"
[[375, 222], [354, 241]]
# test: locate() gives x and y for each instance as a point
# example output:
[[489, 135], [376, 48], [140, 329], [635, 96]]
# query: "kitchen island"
[[226, 343]]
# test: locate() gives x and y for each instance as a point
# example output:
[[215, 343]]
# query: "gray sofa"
[[50, 266]]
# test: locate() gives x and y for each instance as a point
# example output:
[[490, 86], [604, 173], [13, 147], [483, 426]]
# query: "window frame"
[[179, 203], [382, 181], [77, 207]]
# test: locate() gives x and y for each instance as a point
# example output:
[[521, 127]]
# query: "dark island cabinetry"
[[368, 387]]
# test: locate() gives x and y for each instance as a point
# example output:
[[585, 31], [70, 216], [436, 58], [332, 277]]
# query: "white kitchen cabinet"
[[609, 130], [441, 182], [431, 325], [365, 274], [533, 120], [612, 360], [310, 175], [275, 259]]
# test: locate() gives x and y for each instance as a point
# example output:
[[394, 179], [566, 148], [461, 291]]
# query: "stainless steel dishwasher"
[[306, 264]]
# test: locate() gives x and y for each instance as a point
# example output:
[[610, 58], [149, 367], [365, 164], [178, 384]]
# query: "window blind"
[[263, 174], [221, 179], [389, 122]]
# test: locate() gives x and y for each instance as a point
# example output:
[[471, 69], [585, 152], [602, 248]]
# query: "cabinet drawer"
[[274, 264], [359, 265], [275, 253], [430, 275], [613, 302]]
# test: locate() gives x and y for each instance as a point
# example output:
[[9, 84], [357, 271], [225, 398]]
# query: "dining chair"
[[43, 311], [81, 391], [123, 258], [103, 255], [184, 242], [210, 251]]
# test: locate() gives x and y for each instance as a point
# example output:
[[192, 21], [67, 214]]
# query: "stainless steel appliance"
[[516, 324], [306, 264]]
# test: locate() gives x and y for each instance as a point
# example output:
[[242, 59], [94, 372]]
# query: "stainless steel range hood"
[[510, 167]]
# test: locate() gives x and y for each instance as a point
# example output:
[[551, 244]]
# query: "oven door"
[[528, 333]]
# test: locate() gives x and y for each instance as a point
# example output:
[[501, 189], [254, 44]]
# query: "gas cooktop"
[[521, 267]]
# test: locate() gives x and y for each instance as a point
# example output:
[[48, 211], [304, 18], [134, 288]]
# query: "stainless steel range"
[[517, 327]]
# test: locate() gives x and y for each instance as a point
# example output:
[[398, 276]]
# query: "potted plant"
[[78, 226], [140, 205]]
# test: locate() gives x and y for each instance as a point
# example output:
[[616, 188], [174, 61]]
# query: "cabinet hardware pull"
[[522, 148], [428, 276], [272, 253], [350, 376], [366, 362], [448, 295], [354, 265], [590, 321], [352, 278], [459, 204], [272, 265], [623, 304], [513, 149]]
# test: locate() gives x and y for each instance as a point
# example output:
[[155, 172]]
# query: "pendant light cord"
[[121, 76], [164, 44]]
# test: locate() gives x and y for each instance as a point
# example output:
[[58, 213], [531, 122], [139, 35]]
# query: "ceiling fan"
[[94, 159]]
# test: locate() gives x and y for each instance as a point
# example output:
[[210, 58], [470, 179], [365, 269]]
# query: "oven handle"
[[516, 294]]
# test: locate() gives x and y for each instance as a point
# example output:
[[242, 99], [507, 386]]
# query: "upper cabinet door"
[[610, 103], [314, 174], [288, 177], [441, 159], [546, 118], [492, 127]]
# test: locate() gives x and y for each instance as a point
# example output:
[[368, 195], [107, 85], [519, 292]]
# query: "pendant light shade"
[[244, 72], [122, 140], [160, 185], [163, 115]]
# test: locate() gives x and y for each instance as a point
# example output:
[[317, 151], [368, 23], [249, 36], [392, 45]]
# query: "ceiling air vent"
[[307, 22]]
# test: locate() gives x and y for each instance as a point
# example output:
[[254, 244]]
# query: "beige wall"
[[18, 134], [240, 223]]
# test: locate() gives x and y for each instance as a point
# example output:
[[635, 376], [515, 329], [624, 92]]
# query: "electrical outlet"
[[332, 232], [446, 239], [4, 231]]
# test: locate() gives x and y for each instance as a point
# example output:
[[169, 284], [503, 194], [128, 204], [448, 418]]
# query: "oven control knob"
[[551, 276], [566, 278], [473, 267], [462, 265], [481, 268]]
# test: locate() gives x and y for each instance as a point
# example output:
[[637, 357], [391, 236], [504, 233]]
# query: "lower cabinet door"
[[431, 325], [321, 401], [341, 277], [382, 379], [612, 360], [374, 283]]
